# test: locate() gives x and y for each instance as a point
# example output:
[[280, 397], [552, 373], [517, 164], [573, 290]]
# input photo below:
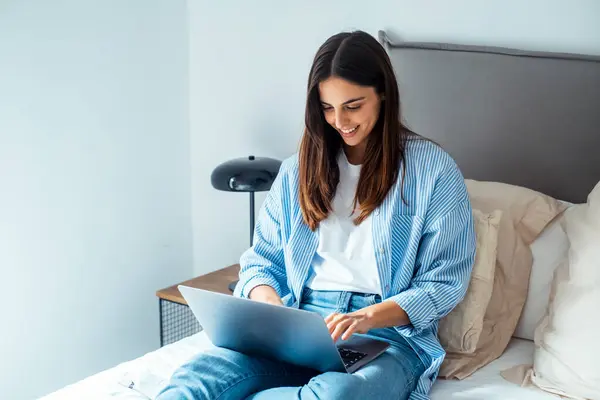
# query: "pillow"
[[549, 251], [459, 331], [567, 347], [525, 213]]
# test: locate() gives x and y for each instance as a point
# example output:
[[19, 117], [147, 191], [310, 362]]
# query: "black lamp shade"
[[246, 174]]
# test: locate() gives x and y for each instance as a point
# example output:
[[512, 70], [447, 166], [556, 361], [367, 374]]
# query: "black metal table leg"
[[160, 313]]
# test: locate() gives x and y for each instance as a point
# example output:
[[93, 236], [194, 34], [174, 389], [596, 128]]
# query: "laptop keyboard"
[[350, 357]]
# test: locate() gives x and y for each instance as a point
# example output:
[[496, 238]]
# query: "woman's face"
[[352, 110]]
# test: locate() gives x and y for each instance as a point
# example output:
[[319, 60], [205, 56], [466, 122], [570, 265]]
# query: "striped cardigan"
[[425, 247]]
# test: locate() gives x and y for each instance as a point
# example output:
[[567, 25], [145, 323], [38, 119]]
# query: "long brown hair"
[[356, 57]]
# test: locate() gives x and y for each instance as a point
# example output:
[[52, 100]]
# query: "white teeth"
[[348, 130]]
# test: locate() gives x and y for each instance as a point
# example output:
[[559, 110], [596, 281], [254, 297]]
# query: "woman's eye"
[[349, 108]]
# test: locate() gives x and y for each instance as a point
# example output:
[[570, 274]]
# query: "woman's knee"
[[335, 385], [215, 365], [208, 375], [214, 361], [228, 374]]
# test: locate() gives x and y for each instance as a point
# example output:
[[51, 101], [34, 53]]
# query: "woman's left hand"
[[344, 325]]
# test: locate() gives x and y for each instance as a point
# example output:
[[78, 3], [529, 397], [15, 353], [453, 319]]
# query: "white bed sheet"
[[152, 370]]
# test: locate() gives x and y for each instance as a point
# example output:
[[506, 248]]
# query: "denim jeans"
[[220, 374]]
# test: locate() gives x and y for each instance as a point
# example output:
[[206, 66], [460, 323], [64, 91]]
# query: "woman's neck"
[[355, 154]]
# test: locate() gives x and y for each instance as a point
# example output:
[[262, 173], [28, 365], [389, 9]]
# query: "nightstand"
[[176, 319]]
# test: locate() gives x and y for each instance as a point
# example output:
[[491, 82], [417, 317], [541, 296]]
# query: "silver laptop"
[[282, 333]]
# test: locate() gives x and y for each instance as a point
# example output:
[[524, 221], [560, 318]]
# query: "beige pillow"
[[459, 331], [525, 213]]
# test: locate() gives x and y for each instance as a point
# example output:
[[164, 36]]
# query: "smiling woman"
[[352, 110], [352, 104], [366, 210]]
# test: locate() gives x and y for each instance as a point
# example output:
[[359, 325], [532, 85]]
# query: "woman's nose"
[[341, 120]]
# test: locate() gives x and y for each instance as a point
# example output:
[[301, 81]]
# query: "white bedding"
[[149, 372], [488, 384]]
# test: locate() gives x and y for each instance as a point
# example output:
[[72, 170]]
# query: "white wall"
[[94, 148], [249, 65], [94, 184]]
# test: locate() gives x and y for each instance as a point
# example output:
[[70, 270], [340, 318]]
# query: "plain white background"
[[95, 198], [113, 115]]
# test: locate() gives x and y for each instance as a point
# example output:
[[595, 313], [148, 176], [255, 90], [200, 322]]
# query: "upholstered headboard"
[[526, 118]]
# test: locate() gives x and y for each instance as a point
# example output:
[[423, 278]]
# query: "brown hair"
[[356, 57]]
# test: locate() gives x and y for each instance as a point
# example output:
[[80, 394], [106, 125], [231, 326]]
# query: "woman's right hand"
[[265, 294]]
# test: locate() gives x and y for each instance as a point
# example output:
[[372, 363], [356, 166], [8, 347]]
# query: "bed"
[[524, 118], [147, 373]]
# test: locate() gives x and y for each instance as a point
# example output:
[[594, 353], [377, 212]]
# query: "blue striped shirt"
[[424, 247]]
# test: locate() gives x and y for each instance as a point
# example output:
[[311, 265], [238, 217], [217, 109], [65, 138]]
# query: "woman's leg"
[[393, 375], [225, 374]]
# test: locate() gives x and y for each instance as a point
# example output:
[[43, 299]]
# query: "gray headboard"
[[526, 118]]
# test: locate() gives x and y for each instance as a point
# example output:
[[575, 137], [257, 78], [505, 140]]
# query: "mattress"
[[141, 378]]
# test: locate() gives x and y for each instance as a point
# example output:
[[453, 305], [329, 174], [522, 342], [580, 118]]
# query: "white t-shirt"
[[345, 258]]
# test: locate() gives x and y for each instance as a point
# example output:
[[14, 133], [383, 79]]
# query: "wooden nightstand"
[[176, 318]]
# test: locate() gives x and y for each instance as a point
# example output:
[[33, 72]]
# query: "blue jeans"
[[220, 374]]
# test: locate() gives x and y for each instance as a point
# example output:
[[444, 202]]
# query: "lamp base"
[[232, 285]]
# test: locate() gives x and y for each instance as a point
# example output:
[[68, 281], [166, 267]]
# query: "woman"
[[369, 226]]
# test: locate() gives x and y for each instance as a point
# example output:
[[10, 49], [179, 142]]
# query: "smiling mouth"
[[348, 132]]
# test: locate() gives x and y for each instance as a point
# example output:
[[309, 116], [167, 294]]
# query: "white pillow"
[[549, 251], [567, 347]]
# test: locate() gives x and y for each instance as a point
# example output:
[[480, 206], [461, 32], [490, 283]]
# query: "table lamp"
[[251, 174]]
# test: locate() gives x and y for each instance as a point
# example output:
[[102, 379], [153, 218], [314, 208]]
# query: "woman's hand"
[[265, 294], [344, 325], [380, 315]]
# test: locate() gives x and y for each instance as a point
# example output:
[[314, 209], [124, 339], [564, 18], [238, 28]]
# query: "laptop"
[[282, 333]]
